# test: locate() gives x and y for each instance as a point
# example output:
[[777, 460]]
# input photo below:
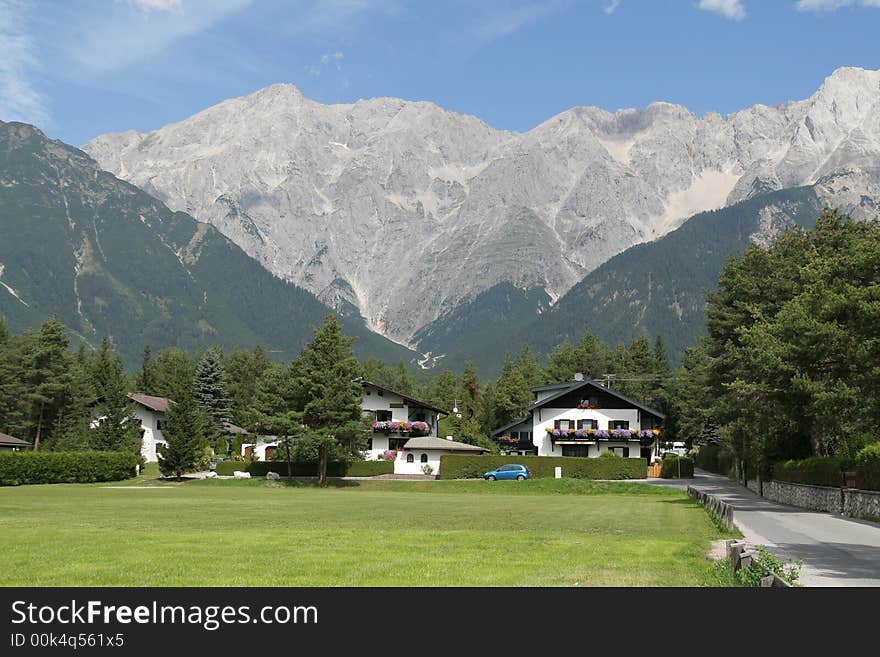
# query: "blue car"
[[509, 471]]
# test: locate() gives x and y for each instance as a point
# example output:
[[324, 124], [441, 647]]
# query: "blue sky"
[[79, 68]]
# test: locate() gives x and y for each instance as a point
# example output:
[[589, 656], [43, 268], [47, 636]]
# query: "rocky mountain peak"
[[404, 210]]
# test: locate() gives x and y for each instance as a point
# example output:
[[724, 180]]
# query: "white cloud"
[[821, 6], [136, 30], [612, 6], [328, 58], [19, 99], [732, 9], [158, 5], [500, 21]]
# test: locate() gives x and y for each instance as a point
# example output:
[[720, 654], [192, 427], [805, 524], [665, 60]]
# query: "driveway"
[[836, 550]]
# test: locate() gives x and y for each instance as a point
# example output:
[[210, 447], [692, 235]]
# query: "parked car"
[[508, 471]]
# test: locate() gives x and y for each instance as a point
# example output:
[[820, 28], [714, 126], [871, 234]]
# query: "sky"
[[80, 68]]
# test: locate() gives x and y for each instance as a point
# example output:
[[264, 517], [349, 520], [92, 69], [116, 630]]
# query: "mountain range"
[[111, 260], [407, 212], [436, 238]]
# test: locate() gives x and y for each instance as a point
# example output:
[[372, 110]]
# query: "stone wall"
[[863, 504], [722, 510], [850, 502]]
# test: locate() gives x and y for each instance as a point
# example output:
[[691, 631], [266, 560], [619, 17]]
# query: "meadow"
[[147, 532]]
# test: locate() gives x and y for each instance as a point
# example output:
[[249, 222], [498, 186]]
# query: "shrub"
[[307, 469], [467, 466], [816, 471], [65, 467], [674, 467], [711, 457], [867, 466], [609, 455]]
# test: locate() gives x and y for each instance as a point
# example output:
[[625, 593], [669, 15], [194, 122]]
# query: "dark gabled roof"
[[11, 441], [157, 404], [556, 386], [408, 398], [577, 385], [230, 429], [511, 425]]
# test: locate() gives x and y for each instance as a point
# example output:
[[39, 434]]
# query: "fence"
[[722, 510]]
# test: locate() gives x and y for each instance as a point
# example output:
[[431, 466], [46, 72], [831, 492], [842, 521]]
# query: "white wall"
[[542, 418], [152, 435], [259, 450], [402, 467]]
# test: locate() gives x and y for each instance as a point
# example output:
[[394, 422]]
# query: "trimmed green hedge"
[[301, 469], [711, 458], [675, 467], [466, 466], [816, 471], [18, 468], [369, 468], [867, 466]]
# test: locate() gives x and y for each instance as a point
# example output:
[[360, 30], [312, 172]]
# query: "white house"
[[150, 412], [396, 418], [426, 451], [582, 418]]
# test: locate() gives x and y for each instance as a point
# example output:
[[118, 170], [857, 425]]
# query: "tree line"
[[790, 367]]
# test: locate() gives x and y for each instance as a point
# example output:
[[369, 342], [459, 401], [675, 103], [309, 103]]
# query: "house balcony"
[[645, 437], [403, 428]]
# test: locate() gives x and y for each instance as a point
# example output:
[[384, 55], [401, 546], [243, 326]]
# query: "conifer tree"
[[144, 381], [47, 377], [327, 382], [210, 388], [185, 433], [117, 429]]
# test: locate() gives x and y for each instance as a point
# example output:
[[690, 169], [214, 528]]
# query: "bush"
[[867, 466], [467, 466], [816, 471], [710, 457], [307, 469], [674, 467], [18, 468]]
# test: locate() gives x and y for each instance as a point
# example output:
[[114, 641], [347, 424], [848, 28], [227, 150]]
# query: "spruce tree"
[[144, 381], [117, 429], [327, 383], [47, 377], [210, 389], [185, 433], [173, 374]]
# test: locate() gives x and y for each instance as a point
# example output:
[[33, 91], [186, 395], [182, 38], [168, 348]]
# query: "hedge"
[[675, 467], [816, 471], [18, 468], [867, 466], [303, 469], [466, 466], [711, 458]]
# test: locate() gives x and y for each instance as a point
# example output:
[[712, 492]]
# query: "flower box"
[[414, 428]]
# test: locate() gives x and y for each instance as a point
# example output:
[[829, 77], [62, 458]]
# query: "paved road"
[[836, 551]]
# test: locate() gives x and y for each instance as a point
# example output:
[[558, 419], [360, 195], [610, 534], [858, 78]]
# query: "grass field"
[[366, 533]]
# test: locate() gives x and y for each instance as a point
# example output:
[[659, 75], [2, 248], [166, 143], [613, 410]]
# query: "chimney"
[[579, 376]]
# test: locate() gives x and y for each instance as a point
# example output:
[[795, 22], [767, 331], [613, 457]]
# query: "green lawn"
[[365, 533]]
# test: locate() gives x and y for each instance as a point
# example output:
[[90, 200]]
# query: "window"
[[626, 452], [367, 392], [369, 443], [618, 424], [160, 425], [380, 393], [424, 458], [575, 450], [420, 417], [587, 424], [564, 425], [396, 443], [409, 458], [383, 416]]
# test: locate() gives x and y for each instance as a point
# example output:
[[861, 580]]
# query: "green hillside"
[[111, 260], [657, 288]]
